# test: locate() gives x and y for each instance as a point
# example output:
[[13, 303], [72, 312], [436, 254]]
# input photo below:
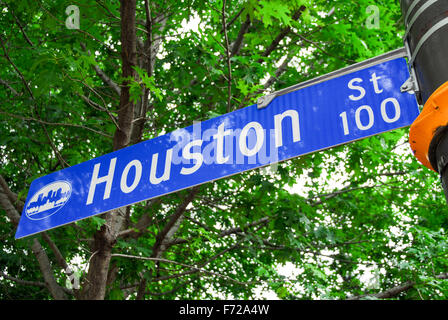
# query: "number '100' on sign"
[[390, 109], [330, 113]]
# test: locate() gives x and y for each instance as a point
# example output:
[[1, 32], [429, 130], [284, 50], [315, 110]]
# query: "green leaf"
[[98, 222], [274, 9]]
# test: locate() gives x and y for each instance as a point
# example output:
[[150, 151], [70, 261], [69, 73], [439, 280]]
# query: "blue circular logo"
[[48, 200]]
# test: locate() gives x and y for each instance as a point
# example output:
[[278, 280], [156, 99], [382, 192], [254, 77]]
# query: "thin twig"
[[20, 25], [229, 67], [102, 74], [236, 46], [393, 292], [56, 123], [283, 33], [233, 20], [23, 282], [6, 84], [192, 269], [58, 155], [16, 69], [315, 44]]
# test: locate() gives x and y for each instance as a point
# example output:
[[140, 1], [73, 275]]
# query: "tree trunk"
[[128, 60], [94, 288]]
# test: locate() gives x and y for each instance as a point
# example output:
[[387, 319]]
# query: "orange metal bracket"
[[433, 116]]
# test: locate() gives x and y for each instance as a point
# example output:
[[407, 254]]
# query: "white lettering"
[[138, 174], [72, 21], [220, 144], [95, 180], [359, 88], [358, 117], [259, 136], [186, 153], [278, 118], [343, 115], [374, 80], [373, 21], [166, 172], [397, 110]]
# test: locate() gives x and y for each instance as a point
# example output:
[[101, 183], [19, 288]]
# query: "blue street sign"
[[351, 107]]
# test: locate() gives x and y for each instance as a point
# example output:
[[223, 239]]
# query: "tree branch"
[[60, 260], [13, 198], [45, 267], [44, 263], [192, 269], [395, 291], [96, 106], [16, 69], [23, 282], [20, 25], [183, 284], [162, 238], [58, 255], [233, 20], [59, 124], [344, 190], [236, 46], [128, 37], [315, 44], [58, 155], [224, 233], [281, 35], [6, 203], [144, 221], [229, 68], [147, 54], [105, 239], [6, 84], [280, 70], [106, 79]]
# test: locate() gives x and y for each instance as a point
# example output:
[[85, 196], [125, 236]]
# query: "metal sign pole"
[[426, 39], [264, 101]]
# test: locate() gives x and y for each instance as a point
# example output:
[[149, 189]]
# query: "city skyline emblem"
[[48, 200]]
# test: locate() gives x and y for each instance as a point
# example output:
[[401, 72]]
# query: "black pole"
[[426, 23], [431, 62]]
